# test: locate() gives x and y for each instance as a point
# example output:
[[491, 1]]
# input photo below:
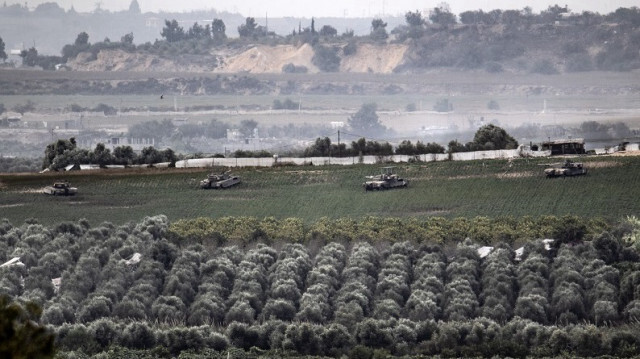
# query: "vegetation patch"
[[253, 288]]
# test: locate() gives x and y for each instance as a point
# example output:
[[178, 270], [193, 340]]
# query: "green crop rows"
[[490, 188]]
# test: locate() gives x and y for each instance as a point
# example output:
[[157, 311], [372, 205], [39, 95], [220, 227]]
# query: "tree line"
[[139, 287], [62, 153], [487, 137]]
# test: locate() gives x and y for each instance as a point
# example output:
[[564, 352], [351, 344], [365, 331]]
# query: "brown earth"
[[259, 59], [269, 59], [374, 58], [118, 60]]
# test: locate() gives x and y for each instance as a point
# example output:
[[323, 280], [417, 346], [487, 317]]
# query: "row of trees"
[[139, 287], [442, 16], [323, 147], [488, 137], [53, 9], [31, 57], [488, 231], [173, 32], [62, 153]]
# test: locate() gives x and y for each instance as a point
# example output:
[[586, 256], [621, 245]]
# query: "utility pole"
[[339, 150]]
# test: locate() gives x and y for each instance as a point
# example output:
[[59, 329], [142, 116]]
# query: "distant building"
[[564, 147]]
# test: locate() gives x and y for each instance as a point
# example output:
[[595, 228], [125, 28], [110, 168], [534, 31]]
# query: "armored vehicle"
[[61, 188], [386, 180], [568, 168], [224, 180]]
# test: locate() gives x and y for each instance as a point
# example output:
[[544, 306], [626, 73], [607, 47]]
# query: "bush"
[[326, 58], [138, 336], [20, 335], [350, 48], [293, 69]]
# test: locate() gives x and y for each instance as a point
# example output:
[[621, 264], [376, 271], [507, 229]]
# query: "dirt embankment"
[[269, 59], [256, 59], [119, 60], [381, 59]]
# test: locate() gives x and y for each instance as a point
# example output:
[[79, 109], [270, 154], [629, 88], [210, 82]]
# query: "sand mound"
[[270, 59], [257, 59], [374, 58], [119, 60]]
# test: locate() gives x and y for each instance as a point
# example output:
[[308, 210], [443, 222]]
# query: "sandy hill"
[[269, 59], [374, 58], [255, 59], [119, 60]]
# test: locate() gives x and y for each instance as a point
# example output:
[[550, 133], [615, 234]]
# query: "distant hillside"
[[568, 44], [49, 28], [515, 41]]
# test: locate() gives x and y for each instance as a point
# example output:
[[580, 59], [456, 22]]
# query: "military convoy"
[[386, 180], [60, 188], [566, 169], [219, 181]]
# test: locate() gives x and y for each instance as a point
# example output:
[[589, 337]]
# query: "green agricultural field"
[[489, 188]]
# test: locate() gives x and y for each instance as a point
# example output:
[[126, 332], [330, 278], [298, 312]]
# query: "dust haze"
[[541, 75]]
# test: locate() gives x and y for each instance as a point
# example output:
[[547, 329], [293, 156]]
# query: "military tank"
[[60, 188], [386, 180], [566, 169], [216, 181]]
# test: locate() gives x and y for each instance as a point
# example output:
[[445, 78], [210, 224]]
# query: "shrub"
[[294, 69], [326, 58]]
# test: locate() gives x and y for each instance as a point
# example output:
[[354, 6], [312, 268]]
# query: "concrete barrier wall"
[[321, 161]]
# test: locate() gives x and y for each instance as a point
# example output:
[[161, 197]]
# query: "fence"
[[318, 161]]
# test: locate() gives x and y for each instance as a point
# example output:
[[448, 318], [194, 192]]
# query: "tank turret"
[[215, 181], [60, 188], [385, 180], [568, 168]]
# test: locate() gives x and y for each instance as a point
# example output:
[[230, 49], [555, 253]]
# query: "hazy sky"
[[331, 8]]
